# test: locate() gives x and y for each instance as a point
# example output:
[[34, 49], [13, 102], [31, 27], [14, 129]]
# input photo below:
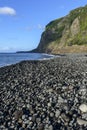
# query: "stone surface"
[[44, 95]]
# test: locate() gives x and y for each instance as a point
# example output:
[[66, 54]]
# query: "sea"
[[13, 58]]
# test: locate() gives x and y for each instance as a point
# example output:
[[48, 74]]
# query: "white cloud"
[[4, 48], [31, 28], [7, 11], [8, 49], [41, 27]]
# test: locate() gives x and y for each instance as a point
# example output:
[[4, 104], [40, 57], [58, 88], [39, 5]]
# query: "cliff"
[[66, 34]]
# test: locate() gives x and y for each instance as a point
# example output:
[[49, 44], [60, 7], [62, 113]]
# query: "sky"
[[23, 21]]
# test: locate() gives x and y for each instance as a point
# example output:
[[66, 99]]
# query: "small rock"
[[83, 107], [49, 104], [23, 125], [57, 113], [41, 127], [81, 122], [18, 114], [23, 117], [20, 121], [60, 100], [51, 114], [28, 105], [50, 127]]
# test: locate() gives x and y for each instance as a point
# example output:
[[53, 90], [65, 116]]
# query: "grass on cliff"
[[53, 24], [81, 13], [77, 40]]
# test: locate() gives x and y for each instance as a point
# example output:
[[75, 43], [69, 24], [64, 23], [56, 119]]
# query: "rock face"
[[67, 34], [75, 27]]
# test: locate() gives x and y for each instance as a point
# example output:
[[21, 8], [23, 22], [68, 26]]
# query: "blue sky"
[[23, 21]]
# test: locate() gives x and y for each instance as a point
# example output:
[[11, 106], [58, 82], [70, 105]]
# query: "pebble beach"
[[44, 94]]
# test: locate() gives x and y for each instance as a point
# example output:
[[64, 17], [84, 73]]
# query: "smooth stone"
[[81, 122], [46, 127], [28, 105], [38, 120], [50, 91], [57, 113], [23, 117], [50, 127], [23, 125], [49, 104], [65, 118], [51, 114], [19, 121], [60, 100], [30, 123], [26, 122], [83, 107]]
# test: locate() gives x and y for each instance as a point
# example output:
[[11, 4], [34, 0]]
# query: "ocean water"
[[12, 58]]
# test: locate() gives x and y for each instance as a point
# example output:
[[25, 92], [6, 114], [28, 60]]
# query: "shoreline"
[[51, 56], [45, 94], [18, 58]]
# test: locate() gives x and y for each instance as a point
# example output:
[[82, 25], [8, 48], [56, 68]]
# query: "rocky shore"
[[44, 95]]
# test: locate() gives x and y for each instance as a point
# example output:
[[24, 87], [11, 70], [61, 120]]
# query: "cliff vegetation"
[[66, 34]]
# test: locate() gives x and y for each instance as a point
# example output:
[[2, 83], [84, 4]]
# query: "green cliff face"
[[67, 34]]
